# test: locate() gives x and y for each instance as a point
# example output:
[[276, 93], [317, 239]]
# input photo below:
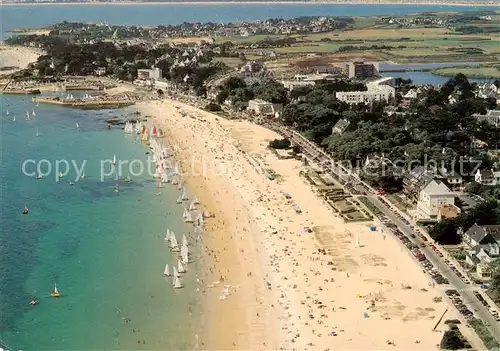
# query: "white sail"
[[175, 274], [77, 125], [192, 207], [184, 194], [114, 159], [174, 245], [180, 266], [167, 235], [179, 199], [184, 254], [27, 116], [33, 113], [184, 240], [196, 201], [184, 215], [177, 283], [14, 119], [188, 218], [55, 289], [37, 134], [206, 214], [7, 112], [166, 272]]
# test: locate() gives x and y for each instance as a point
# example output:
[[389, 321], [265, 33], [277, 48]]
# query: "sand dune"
[[291, 288]]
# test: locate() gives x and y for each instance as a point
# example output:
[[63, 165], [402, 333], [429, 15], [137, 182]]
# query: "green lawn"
[[473, 72]]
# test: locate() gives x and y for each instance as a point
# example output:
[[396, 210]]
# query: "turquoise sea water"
[[105, 250]]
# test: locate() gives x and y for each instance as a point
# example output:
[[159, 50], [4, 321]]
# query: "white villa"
[[432, 198]]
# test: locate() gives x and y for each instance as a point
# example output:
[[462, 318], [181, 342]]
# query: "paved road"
[[465, 290]]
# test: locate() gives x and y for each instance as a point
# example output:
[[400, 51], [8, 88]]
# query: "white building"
[[487, 177], [433, 197], [261, 107], [378, 90]]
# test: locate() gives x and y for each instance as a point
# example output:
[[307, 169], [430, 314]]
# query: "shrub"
[[452, 341], [213, 107], [280, 143]]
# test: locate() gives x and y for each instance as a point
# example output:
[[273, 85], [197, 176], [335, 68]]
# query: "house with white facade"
[[484, 247], [378, 90], [432, 198], [487, 177], [261, 107]]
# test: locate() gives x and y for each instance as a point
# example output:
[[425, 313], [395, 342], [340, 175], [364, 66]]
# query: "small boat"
[[184, 240], [114, 160], [25, 210], [33, 113], [14, 119], [174, 245], [192, 207], [61, 175], [83, 176], [39, 176], [55, 293], [37, 134], [184, 195], [177, 283], [33, 302], [77, 125], [127, 180], [188, 218], [184, 254], [27, 116], [196, 201], [167, 235], [166, 272], [180, 266], [117, 188], [7, 112], [179, 199]]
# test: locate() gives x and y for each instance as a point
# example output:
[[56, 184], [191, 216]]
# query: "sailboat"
[[39, 176], [188, 218], [175, 274], [180, 266], [166, 272], [184, 254], [77, 125], [167, 235], [27, 116], [174, 245], [127, 180], [55, 293], [7, 112], [196, 201], [206, 214], [192, 207], [184, 240], [184, 195], [114, 160], [179, 199], [14, 119], [33, 113], [37, 134], [25, 210], [177, 283]]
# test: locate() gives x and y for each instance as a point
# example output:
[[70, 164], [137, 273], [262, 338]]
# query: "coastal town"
[[362, 197]]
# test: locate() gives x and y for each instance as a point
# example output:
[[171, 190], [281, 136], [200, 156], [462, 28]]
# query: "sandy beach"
[[17, 56], [225, 3], [285, 293]]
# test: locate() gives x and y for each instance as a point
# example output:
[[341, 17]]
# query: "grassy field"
[[473, 72], [230, 61]]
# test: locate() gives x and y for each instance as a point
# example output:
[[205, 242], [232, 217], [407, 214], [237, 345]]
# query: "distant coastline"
[[287, 2]]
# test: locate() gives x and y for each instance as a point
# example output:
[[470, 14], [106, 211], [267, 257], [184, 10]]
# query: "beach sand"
[[17, 56], [284, 293]]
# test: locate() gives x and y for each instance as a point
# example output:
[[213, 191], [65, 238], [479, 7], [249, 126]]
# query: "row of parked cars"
[[485, 303], [459, 304], [426, 264]]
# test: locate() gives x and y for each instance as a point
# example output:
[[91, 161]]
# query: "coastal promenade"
[[465, 290]]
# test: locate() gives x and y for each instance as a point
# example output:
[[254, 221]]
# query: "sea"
[[104, 249]]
